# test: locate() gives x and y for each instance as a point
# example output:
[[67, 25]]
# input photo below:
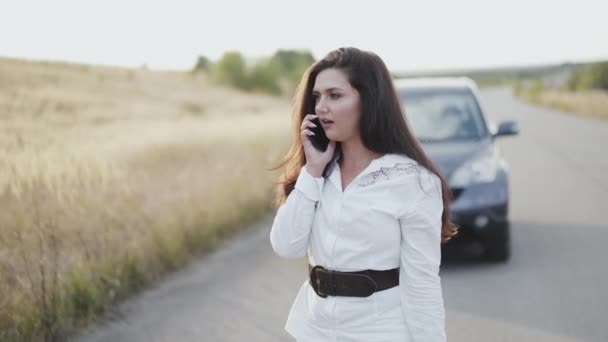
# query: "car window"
[[443, 114]]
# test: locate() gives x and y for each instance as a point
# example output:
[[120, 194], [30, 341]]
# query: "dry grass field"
[[110, 177], [587, 103]]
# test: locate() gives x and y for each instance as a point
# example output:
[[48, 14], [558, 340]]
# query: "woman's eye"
[[335, 96]]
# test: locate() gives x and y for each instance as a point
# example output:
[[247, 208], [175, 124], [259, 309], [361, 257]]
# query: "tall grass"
[[581, 89], [588, 103], [111, 177]]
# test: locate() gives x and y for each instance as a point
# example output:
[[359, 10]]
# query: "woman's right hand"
[[316, 160]]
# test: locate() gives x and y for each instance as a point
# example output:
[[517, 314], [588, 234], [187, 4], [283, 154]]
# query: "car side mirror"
[[507, 128]]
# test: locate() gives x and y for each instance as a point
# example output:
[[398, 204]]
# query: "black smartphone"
[[319, 140]]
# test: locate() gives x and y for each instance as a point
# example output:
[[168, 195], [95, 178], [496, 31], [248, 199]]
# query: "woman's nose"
[[320, 107]]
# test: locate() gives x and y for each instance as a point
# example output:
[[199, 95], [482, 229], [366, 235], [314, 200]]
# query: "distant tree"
[[292, 63], [202, 63], [230, 69]]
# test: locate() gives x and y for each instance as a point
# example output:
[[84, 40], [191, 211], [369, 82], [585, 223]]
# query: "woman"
[[369, 212]]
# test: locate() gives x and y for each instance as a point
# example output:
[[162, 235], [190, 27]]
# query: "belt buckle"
[[316, 280]]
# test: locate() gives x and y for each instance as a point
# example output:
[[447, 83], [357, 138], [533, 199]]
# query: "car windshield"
[[442, 115]]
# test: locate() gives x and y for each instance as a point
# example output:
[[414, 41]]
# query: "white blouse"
[[389, 216]]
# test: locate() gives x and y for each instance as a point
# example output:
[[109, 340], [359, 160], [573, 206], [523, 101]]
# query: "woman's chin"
[[331, 136]]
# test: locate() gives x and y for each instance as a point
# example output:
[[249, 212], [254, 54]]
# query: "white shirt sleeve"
[[292, 224], [421, 294]]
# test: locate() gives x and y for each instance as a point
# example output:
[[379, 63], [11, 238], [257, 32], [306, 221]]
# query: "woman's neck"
[[355, 155]]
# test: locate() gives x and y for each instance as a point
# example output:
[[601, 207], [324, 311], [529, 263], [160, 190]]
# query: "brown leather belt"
[[351, 284]]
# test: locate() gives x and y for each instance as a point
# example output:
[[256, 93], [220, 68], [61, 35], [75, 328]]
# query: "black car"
[[446, 116]]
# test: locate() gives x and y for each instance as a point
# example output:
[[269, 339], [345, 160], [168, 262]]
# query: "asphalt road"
[[554, 288]]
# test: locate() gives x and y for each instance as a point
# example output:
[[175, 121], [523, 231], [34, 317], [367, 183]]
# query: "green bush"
[[230, 69], [590, 76], [580, 79], [265, 76], [536, 89], [599, 72], [292, 63]]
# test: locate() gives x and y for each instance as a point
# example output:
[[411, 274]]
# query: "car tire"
[[497, 245]]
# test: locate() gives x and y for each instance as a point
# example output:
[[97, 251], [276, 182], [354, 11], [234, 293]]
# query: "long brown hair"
[[383, 126]]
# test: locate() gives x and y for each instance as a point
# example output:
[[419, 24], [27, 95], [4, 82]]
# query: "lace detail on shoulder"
[[388, 173]]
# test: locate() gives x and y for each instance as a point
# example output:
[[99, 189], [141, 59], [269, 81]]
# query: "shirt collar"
[[387, 160]]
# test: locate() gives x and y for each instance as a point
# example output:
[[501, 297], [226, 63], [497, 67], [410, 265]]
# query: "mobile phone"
[[319, 140]]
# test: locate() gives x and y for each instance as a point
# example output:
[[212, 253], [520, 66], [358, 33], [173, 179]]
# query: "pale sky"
[[407, 35]]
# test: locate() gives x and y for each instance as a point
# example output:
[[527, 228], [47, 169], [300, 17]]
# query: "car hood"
[[448, 156]]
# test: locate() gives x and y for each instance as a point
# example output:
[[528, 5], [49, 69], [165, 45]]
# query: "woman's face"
[[339, 103]]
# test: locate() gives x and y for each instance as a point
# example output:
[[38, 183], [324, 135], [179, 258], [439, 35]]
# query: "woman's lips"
[[326, 123]]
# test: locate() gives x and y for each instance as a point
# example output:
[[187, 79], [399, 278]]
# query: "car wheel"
[[497, 244]]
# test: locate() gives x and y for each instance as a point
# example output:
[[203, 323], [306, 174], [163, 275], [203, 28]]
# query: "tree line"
[[277, 74]]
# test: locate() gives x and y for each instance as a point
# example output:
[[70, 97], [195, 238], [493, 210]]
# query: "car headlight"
[[478, 170]]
